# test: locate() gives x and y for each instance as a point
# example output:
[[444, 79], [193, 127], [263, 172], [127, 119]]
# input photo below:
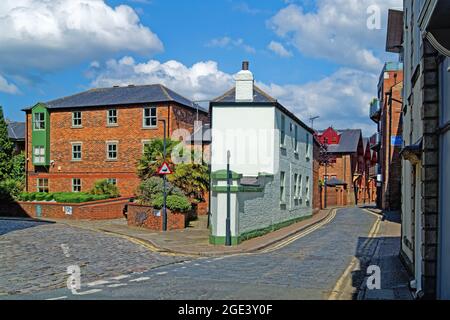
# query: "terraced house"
[[100, 134]]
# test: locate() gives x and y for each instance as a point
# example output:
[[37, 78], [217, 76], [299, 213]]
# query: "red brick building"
[[345, 173], [386, 111], [100, 134]]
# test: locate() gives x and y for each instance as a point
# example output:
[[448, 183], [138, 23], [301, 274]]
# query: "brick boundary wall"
[[95, 210], [143, 216]]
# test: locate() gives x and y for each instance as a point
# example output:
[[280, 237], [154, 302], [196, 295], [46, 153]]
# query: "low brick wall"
[[96, 210], [148, 217]]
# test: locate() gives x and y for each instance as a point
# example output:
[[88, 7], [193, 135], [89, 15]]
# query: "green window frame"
[[39, 121]]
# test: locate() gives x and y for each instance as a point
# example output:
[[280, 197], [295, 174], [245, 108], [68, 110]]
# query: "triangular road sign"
[[165, 169]]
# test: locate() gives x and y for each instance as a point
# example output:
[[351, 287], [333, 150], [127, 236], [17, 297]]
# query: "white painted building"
[[271, 159]]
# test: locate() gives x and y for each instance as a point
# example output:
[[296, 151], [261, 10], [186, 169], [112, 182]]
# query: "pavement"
[[194, 240]]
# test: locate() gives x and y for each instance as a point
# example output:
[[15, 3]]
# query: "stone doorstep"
[[225, 251]]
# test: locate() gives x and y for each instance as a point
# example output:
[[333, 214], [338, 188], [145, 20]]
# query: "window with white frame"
[[283, 130], [300, 187], [39, 121], [111, 150], [76, 185], [307, 188], [307, 145], [76, 151], [296, 139], [282, 187], [42, 185], [76, 119], [39, 154], [112, 181], [295, 186], [112, 117], [145, 144], [150, 118]]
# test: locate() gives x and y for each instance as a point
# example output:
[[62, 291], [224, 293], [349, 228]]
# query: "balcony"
[[375, 141], [375, 110]]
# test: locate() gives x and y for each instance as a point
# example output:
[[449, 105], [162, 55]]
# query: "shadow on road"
[[12, 225]]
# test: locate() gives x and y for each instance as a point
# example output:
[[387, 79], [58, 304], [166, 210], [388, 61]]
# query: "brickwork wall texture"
[[143, 216], [391, 126], [94, 135], [97, 210]]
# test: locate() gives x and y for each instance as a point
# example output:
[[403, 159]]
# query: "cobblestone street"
[[34, 256], [306, 268]]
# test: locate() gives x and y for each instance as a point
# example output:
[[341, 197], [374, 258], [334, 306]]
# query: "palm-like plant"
[[154, 157], [193, 179]]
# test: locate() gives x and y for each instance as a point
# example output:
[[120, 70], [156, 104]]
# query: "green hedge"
[[174, 203], [62, 197]]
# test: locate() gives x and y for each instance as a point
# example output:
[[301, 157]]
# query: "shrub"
[[103, 187], [153, 188], [49, 197], [10, 189], [24, 196], [40, 196], [174, 203]]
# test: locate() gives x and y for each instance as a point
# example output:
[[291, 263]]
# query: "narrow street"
[[307, 268]]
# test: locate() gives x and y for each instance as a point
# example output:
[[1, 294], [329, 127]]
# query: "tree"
[[6, 148], [193, 179], [154, 157]]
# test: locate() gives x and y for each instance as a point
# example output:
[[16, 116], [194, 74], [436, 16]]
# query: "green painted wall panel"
[[41, 137]]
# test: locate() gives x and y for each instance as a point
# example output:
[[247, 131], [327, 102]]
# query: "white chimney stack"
[[244, 84]]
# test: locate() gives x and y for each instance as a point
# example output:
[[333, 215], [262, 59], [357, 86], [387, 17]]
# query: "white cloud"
[[202, 80], [341, 100], [336, 31], [342, 96], [7, 87], [229, 43], [279, 49], [48, 34]]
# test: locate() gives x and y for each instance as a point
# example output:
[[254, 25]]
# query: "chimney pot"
[[245, 65]]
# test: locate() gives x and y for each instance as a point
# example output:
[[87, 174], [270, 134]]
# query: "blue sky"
[[316, 57]]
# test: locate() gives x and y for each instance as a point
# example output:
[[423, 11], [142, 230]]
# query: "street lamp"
[[228, 221], [164, 178]]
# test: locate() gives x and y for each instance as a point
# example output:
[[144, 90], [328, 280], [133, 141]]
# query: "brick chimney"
[[244, 84]]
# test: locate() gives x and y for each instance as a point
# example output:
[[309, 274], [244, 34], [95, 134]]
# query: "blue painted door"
[[38, 211]]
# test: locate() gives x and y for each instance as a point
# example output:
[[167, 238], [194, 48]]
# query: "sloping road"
[[307, 268]]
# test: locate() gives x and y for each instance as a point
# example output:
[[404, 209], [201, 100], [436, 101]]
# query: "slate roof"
[[16, 131], [349, 141], [259, 96], [122, 96]]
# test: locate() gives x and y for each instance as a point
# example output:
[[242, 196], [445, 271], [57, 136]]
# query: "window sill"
[[149, 128], [77, 127], [76, 160], [112, 160], [112, 125]]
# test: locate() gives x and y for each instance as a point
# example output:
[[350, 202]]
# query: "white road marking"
[[88, 292], [120, 277], [58, 298], [140, 279], [117, 285], [97, 283], [161, 273]]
